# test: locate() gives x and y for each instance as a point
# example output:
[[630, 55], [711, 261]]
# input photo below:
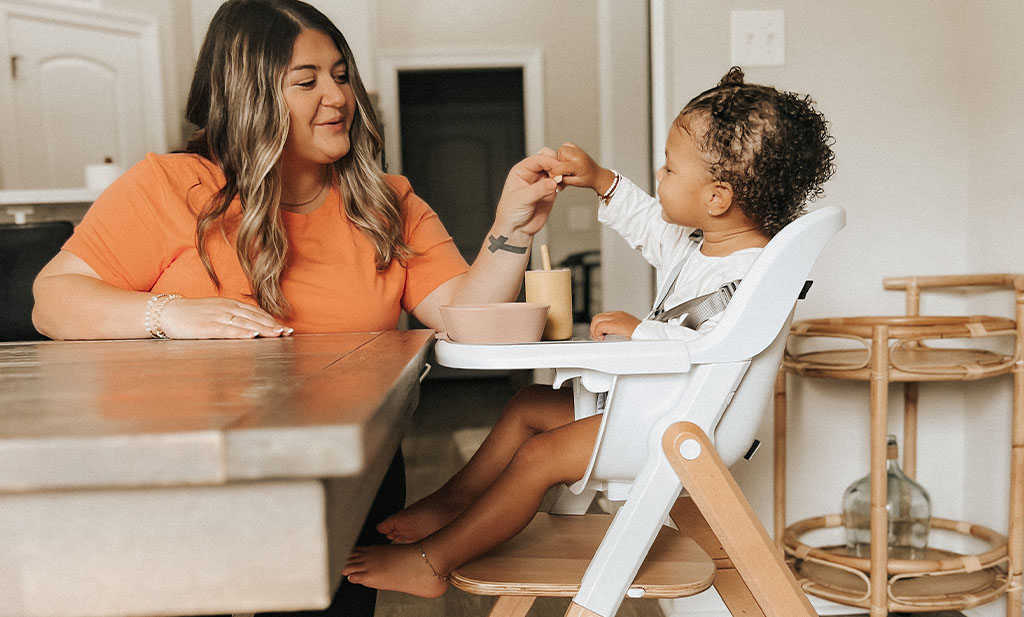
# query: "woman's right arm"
[[73, 302]]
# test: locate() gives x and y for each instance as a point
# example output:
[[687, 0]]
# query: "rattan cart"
[[884, 350]]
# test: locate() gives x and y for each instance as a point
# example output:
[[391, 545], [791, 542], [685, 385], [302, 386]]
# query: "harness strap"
[[701, 308]]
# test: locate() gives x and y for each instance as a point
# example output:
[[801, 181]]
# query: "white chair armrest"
[[612, 357]]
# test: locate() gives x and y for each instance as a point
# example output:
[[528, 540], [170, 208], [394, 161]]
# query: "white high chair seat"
[[720, 382]]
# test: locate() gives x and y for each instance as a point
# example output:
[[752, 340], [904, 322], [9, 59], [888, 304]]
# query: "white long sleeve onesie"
[[636, 216]]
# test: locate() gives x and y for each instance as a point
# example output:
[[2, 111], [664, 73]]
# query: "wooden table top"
[[92, 414]]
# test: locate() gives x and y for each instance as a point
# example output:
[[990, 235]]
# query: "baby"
[[741, 161]]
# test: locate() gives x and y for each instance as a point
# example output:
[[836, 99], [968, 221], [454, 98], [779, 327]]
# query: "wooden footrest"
[[551, 555]]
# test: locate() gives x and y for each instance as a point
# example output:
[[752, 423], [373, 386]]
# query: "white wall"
[[924, 100]]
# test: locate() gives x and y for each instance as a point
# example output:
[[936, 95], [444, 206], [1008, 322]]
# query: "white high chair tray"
[[622, 357]]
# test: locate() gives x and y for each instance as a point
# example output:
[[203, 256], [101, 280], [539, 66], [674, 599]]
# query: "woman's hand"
[[578, 169], [205, 318], [497, 272], [73, 302], [615, 322], [528, 195]]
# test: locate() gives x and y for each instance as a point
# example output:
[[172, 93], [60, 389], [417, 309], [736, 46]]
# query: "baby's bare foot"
[[419, 520], [395, 567]]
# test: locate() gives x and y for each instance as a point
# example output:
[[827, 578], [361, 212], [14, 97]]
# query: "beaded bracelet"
[[607, 195], [154, 308]]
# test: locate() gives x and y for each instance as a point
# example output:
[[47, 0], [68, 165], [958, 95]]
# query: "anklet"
[[443, 579]]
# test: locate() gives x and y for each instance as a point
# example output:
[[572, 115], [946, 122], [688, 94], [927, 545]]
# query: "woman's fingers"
[[205, 318], [534, 167], [246, 326], [256, 315]]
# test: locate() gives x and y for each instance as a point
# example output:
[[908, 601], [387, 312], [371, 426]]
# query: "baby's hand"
[[578, 169], [615, 322]]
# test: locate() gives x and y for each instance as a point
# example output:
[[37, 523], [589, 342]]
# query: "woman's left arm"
[[497, 273]]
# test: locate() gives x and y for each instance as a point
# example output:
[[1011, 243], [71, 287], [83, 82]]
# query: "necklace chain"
[[308, 201]]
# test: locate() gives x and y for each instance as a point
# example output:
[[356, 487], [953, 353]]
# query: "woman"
[[277, 218]]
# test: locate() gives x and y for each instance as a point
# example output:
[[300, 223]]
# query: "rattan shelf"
[[943, 580], [906, 349]]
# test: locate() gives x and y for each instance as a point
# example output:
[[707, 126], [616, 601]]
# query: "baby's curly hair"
[[772, 147]]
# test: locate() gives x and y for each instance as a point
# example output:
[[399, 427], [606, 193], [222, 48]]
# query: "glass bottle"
[[908, 507]]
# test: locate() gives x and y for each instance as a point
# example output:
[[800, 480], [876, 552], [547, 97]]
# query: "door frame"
[[630, 36], [143, 28], [529, 59]]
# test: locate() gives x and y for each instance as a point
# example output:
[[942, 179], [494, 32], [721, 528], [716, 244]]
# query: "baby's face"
[[684, 183]]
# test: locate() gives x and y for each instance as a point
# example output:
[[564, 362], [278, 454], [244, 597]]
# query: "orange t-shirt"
[[140, 234]]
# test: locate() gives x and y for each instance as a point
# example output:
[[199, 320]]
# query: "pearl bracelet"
[[154, 308]]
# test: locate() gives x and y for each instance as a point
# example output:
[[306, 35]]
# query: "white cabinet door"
[[80, 92]]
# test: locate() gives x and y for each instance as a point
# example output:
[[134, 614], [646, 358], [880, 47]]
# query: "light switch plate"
[[758, 38]]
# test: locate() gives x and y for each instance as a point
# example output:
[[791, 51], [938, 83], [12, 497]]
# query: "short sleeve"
[[437, 259], [125, 235]]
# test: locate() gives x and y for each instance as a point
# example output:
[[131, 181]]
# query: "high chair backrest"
[[763, 302], [733, 367], [758, 324]]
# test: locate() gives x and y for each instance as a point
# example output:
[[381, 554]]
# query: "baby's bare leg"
[[534, 409], [557, 456]]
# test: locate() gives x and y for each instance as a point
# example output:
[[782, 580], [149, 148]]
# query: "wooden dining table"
[[157, 477]]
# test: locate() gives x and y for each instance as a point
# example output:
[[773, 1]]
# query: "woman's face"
[[320, 101]]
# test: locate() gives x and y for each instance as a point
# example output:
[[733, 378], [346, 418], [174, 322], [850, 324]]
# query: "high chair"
[[675, 416]]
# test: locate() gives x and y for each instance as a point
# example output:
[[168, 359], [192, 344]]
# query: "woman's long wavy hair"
[[237, 101], [772, 147]]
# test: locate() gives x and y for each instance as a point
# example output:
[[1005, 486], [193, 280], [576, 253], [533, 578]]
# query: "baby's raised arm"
[[578, 169]]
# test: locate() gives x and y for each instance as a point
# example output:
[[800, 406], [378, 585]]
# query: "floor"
[[466, 407]]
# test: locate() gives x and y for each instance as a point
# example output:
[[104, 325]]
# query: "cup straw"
[[545, 257]]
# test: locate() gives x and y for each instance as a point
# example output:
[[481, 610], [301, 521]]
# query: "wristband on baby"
[[607, 195], [154, 308]]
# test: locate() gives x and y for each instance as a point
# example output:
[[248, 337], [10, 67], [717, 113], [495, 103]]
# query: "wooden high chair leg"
[[511, 606], [727, 512], [728, 582]]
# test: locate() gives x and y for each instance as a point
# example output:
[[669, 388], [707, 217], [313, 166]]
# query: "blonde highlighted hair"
[[237, 101]]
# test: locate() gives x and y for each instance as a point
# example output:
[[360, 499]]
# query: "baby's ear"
[[721, 198]]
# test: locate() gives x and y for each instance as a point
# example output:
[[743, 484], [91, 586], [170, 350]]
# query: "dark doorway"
[[462, 130]]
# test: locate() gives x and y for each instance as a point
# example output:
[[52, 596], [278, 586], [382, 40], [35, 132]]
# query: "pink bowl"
[[500, 322]]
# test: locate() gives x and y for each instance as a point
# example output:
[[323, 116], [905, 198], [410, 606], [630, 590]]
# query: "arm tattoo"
[[501, 244]]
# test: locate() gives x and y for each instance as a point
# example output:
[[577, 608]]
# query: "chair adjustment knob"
[[690, 449]]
